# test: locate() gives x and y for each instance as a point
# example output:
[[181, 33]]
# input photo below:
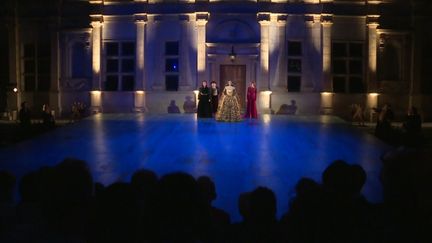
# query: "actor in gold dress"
[[229, 106]]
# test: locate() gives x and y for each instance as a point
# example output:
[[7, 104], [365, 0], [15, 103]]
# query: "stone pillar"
[[312, 68], [280, 82], [140, 21], [184, 55], [264, 77], [140, 77], [326, 22], [201, 21], [55, 94], [14, 98], [372, 24], [96, 39]]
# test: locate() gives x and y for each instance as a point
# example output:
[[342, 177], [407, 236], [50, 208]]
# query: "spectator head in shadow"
[[179, 207], [7, 186], [407, 181], [144, 182], [262, 206]]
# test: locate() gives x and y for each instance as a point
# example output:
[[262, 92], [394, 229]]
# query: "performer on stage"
[[204, 108], [229, 106], [214, 97], [251, 110]]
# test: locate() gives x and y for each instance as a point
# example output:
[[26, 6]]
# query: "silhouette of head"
[[262, 205], [7, 185], [244, 205], [207, 188]]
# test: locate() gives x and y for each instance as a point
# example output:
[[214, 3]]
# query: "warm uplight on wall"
[[326, 102], [96, 100], [265, 100], [372, 100], [196, 92]]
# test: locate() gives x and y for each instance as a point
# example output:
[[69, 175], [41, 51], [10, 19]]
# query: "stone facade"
[[141, 56]]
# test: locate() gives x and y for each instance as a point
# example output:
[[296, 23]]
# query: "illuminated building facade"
[[142, 56]]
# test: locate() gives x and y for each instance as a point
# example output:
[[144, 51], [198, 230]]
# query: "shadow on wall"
[[288, 109], [189, 106], [173, 108]]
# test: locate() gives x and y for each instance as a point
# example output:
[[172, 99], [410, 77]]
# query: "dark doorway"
[[237, 74]]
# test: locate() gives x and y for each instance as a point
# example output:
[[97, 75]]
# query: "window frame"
[[294, 57], [349, 75], [120, 57]]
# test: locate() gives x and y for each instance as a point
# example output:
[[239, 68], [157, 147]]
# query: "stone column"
[[201, 21], [14, 98], [140, 78], [96, 39], [280, 82], [184, 53], [326, 22], [140, 21], [264, 77], [55, 94], [312, 68], [372, 24]]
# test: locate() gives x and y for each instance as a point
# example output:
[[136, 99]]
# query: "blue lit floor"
[[273, 151]]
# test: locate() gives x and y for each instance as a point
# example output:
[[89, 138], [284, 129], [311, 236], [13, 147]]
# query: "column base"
[[326, 111], [139, 110]]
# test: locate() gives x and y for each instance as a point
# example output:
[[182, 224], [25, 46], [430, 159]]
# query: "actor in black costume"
[[214, 97], [204, 108]]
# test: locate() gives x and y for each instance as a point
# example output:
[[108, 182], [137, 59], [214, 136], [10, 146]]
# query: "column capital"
[[372, 21], [264, 18], [185, 17], [96, 20], [326, 20], [141, 18], [280, 19], [202, 18], [312, 18]]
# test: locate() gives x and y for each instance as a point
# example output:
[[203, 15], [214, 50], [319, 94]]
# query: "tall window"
[[172, 65], [347, 67], [120, 66], [37, 66], [295, 55]]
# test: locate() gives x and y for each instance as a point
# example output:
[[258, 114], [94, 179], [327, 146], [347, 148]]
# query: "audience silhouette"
[[63, 204]]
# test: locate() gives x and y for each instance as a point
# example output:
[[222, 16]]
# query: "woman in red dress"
[[251, 110]]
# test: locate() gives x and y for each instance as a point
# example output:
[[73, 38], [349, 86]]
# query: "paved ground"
[[273, 151]]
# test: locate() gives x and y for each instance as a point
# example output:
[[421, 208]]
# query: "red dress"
[[251, 110]]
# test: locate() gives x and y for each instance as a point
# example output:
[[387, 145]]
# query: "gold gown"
[[229, 106]]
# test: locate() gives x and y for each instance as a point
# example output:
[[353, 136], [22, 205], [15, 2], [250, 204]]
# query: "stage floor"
[[273, 151]]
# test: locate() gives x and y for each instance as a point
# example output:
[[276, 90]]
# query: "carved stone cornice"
[[202, 18], [326, 19], [141, 18], [372, 21], [312, 18], [96, 20], [264, 18]]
